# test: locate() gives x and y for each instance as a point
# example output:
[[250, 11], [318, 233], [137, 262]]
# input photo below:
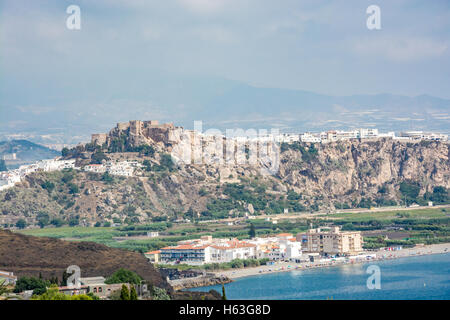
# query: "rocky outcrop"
[[354, 169], [202, 281], [310, 177]]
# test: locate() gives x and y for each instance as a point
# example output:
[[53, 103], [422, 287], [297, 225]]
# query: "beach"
[[372, 256]]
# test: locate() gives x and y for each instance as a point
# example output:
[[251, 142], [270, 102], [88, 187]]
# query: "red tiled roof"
[[153, 252], [185, 247]]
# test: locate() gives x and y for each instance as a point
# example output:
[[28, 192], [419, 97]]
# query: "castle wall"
[[98, 138]]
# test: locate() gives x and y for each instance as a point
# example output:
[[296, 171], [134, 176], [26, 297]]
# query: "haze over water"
[[412, 278]]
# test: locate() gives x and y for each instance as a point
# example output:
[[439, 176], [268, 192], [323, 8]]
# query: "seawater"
[[411, 278]]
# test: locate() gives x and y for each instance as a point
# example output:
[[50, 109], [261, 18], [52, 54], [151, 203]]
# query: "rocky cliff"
[[310, 177]]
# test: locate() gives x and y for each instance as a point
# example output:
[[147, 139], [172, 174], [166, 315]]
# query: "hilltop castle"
[[139, 133]]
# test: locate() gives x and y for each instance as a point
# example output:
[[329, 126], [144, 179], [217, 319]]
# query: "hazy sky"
[[321, 46]]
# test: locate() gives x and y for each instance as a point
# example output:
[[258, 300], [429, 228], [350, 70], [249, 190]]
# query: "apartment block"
[[333, 241]]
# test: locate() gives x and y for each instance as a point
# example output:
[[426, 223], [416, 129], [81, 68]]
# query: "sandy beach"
[[379, 255]]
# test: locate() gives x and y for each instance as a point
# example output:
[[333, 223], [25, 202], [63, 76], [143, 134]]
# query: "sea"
[[412, 278]]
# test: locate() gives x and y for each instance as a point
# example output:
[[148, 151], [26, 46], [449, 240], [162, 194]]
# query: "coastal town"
[[283, 247], [316, 248]]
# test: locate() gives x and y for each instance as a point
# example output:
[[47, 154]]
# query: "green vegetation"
[[4, 288], [410, 194], [124, 293], [309, 154], [124, 276], [250, 192], [133, 293], [410, 191], [424, 225], [252, 231], [159, 294], [53, 294], [39, 286], [21, 224], [98, 157]]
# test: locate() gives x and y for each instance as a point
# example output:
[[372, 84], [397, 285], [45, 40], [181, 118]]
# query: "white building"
[[289, 137], [420, 135], [209, 250], [310, 137], [96, 168]]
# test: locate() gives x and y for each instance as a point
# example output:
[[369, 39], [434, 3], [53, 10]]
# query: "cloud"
[[204, 6], [401, 49]]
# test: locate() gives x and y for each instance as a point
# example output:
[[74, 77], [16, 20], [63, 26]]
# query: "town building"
[[332, 241], [208, 250], [153, 256], [420, 135], [7, 278]]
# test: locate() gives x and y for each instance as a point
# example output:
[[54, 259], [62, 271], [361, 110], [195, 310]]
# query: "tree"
[[98, 157], [65, 152], [57, 222], [410, 190], [3, 165], [440, 195], [43, 219], [133, 293], [65, 276], [224, 295], [124, 293], [147, 165], [73, 188], [107, 178], [124, 276], [21, 224], [48, 185], [74, 221], [252, 231], [159, 294], [39, 286]]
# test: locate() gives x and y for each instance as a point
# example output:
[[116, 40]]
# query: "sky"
[[319, 46]]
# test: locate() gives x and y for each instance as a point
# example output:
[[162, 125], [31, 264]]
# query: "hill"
[[19, 152], [31, 256], [346, 174]]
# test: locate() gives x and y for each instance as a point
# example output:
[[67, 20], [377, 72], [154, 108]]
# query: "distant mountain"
[[219, 103], [19, 152]]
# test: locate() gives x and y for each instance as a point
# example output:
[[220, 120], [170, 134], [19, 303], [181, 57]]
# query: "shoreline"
[[381, 255]]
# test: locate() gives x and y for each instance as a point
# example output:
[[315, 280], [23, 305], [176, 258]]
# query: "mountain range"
[[64, 117], [25, 152]]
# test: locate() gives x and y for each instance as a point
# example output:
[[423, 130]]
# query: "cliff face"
[[340, 174], [349, 169]]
